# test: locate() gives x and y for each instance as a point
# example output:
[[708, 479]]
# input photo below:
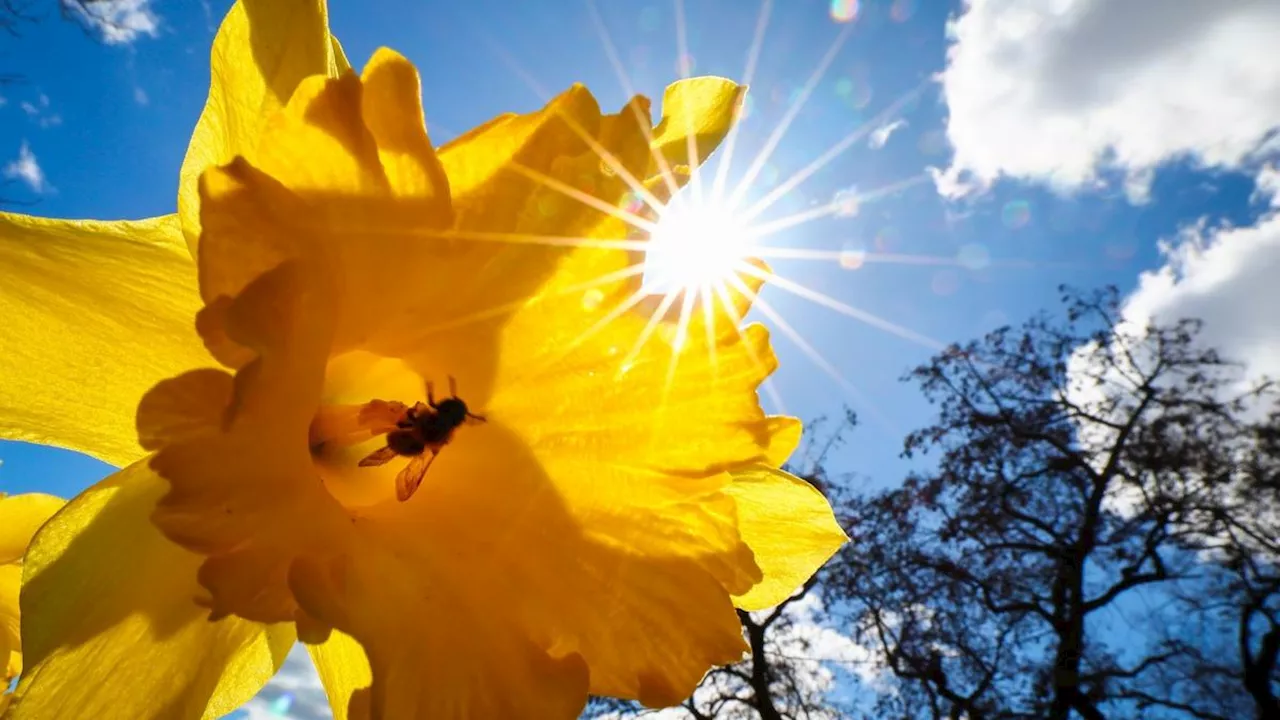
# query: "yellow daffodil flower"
[[96, 313], [20, 517], [596, 509]]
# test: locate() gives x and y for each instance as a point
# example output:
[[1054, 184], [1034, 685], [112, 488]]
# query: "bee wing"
[[380, 416], [381, 456], [411, 476]]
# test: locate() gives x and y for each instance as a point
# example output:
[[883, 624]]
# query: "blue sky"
[[1049, 167]]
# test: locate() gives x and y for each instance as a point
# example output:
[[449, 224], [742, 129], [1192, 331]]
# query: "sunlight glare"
[[695, 245]]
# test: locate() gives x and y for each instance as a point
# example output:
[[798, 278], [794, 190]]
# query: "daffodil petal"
[[329, 181], [371, 130], [475, 665], [658, 402], [348, 156], [248, 496], [94, 314], [343, 669], [340, 62], [20, 517], [10, 644], [579, 538], [559, 560], [785, 433], [261, 513], [110, 622], [696, 111], [263, 49], [790, 528]]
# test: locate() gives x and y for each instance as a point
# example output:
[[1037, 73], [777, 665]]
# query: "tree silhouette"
[[1097, 539]]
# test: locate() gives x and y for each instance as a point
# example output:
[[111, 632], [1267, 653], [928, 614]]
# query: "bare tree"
[[1087, 473]]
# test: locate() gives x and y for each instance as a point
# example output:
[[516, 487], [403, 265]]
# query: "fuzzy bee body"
[[420, 433]]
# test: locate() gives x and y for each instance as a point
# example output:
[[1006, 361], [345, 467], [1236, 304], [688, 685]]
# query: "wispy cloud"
[[880, 135], [27, 169], [140, 96], [208, 16], [120, 22], [39, 113]]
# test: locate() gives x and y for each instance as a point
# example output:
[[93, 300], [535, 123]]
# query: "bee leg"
[[453, 386], [476, 418], [431, 394]]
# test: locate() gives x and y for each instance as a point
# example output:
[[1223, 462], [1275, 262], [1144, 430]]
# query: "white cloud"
[[880, 135], [38, 112], [1267, 186], [1225, 276], [1137, 185], [119, 21], [27, 169], [140, 96], [1057, 90], [954, 182]]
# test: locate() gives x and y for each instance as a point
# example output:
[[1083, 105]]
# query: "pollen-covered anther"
[[345, 425]]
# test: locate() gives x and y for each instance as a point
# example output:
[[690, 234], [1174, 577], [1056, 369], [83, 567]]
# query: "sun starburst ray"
[[776, 318], [872, 256], [831, 154], [532, 239], [608, 158], [709, 323], [844, 309], [623, 307], [748, 75], [649, 328], [677, 345], [605, 156], [691, 140], [608, 278], [772, 314], [722, 291], [834, 207], [585, 198], [775, 137], [664, 168]]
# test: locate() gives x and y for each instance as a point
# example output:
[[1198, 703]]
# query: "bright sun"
[[696, 245]]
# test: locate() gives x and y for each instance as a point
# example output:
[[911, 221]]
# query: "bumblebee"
[[420, 433]]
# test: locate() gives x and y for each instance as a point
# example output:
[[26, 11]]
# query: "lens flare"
[[902, 10], [280, 706], [846, 202], [843, 11], [1016, 214], [853, 256]]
